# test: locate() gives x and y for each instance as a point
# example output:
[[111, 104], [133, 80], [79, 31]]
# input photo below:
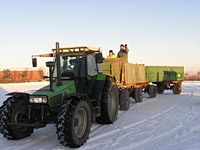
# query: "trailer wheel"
[[160, 89], [74, 123], [177, 88], [152, 91], [124, 99], [138, 95], [15, 111], [109, 104]]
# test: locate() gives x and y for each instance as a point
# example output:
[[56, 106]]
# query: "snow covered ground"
[[167, 122]]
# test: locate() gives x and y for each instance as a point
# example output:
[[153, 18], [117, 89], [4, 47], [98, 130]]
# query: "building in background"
[[21, 75]]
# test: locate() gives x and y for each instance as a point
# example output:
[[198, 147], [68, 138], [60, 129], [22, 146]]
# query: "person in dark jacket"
[[123, 53]]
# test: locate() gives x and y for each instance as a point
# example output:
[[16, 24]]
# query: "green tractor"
[[78, 94]]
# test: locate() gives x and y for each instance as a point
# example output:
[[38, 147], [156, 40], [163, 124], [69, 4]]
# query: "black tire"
[[152, 90], [160, 88], [1, 109], [177, 88], [15, 111], [132, 94], [124, 99], [74, 123], [109, 104], [138, 95]]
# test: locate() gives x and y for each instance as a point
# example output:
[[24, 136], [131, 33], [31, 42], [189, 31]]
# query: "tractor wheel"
[[109, 104], [15, 111], [74, 122], [177, 88], [124, 99], [152, 90], [160, 89], [1, 109], [138, 95]]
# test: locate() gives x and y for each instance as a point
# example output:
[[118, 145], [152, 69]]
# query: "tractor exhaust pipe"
[[59, 82]]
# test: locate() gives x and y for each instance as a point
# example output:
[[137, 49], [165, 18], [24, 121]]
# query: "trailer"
[[130, 79], [134, 79], [166, 77]]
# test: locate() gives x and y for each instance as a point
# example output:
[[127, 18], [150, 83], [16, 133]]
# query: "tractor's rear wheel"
[[15, 111], [124, 99], [109, 104], [138, 95], [74, 122], [152, 90], [177, 88]]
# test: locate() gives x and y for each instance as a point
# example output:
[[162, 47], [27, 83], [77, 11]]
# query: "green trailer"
[[165, 77]]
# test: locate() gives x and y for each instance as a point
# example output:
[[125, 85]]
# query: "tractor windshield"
[[72, 66]]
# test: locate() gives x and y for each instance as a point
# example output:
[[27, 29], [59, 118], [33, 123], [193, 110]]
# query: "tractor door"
[[91, 73], [95, 85]]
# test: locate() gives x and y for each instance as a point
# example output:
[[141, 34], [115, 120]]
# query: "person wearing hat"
[[123, 52], [111, 54]]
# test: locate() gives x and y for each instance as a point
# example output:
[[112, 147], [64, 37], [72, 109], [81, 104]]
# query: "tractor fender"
[[110, 77], [18, 94], [78, 97]]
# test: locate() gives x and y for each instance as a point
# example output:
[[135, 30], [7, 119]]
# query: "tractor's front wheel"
[[74, 122], [15, 111], [1, 110]]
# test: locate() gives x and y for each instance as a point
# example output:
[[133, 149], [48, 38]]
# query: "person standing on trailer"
[[111, 54], [123, 52]]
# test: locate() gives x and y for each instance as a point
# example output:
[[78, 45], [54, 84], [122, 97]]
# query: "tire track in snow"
[[162, 135], [36, 141], [150, 139], [132, 129], [191, 123], [123, 129], [99, 128]]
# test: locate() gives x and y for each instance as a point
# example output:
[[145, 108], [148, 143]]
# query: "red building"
[[8, 76]]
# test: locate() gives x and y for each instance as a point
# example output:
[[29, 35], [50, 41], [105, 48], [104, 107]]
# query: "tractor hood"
[[55, 96]]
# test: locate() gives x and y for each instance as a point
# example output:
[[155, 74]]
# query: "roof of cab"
[[78, 49]]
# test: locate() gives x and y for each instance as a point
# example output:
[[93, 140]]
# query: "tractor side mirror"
[[99, 58], [34, 62], [50, 64]]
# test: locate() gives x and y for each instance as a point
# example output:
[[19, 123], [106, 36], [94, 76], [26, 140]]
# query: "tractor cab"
[[72, 63], [78, 61]]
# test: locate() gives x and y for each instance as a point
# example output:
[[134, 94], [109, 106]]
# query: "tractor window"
[[72, 66], [91, 65]]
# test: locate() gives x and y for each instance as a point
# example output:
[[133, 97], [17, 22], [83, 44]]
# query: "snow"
[[165, 122]]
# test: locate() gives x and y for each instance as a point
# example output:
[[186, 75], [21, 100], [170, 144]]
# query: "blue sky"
[[158, 32]]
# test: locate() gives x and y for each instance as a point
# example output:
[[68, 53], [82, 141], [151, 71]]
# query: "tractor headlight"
[[38, 99]]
